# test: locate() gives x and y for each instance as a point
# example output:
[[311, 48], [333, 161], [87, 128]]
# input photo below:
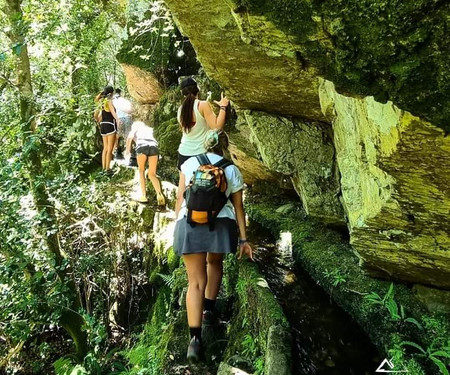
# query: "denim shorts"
[[147, 150]]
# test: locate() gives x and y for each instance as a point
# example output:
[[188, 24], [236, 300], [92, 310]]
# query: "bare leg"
[[152, 164], [196, 271], [116, 142], [104, 151], [215, 272], [110, 145], [142, 160]]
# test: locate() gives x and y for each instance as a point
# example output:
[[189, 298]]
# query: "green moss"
[[173, 260], [321, 251], [256, 310], [393, 50]]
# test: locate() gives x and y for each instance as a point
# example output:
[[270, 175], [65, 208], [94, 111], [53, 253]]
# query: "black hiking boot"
[[195, 351], [211, 319], [211, 325]]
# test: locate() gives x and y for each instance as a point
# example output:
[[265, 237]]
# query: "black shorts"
[[108, 128], [182, 159], [147, 150]]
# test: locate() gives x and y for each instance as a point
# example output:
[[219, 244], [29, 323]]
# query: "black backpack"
[[206, 194]]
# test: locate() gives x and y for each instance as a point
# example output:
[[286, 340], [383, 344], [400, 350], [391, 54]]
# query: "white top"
[[235, 182], [142, 134], [123, 106], [192, 142]]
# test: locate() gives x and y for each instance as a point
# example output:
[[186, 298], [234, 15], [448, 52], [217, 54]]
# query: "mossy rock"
[[396, 51], [256, 312]]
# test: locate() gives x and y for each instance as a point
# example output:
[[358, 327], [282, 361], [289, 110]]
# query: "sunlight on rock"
[[289, 278], [163, 228]]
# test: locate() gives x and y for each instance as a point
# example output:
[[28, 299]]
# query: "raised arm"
[[213, 121], [98, 97]]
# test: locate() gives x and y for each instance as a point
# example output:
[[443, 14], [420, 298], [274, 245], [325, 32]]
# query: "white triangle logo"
[[391, 365]]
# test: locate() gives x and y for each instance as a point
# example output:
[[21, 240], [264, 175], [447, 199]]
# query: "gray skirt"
[[199, 239]]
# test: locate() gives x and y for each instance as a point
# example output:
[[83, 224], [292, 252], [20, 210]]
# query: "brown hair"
[[190, 92]]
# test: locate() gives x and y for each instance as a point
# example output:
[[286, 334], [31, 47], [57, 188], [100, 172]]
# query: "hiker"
[[146, 149], [124, 109], [109, 123], [196, 117], [203, 236]]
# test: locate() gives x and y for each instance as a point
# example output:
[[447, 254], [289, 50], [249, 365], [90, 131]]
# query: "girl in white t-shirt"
[[146, 149], [203, 249]]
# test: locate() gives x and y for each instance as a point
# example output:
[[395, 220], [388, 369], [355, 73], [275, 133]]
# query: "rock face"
[[395, 181], [142, 85], [272, 80], [303, 151], [387, 168]]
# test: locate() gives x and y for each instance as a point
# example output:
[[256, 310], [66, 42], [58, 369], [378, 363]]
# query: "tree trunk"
[[70, 319]]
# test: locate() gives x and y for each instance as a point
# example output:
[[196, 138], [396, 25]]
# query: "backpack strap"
[[211, 220], [223, 163], [203, 159], [189, 218]]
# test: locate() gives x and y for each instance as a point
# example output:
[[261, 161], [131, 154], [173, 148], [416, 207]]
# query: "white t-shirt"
[[235, 182], [123, 106], [142, 134]]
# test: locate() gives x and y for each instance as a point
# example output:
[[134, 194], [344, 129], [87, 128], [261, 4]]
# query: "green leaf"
[[414, 321], [414, 345], [441, 366], [2, 56], [389, 293], [441, 353]]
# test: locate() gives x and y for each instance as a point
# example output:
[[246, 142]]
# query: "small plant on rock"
[[439, 356]]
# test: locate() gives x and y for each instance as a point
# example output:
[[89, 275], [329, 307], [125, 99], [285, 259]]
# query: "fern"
[[169, 280]]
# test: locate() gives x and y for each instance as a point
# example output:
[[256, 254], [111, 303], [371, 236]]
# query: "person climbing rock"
[[146, 150], [196, 117], [109, 123], [124, 110], [203, 236]]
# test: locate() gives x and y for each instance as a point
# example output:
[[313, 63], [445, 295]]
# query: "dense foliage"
[[65, 259]]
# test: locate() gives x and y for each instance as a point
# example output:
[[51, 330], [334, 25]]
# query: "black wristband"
[[241, 242]]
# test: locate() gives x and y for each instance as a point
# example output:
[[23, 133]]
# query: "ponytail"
[[190, 91]]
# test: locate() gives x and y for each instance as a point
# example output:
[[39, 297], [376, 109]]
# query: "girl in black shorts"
[[146, 149], [108, 125]]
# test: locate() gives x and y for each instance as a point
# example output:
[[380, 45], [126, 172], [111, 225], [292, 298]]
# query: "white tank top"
[[192, 143]]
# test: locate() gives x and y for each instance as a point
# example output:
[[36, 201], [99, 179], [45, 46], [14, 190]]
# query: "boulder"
[[303, 151], [255, 77], [395, 182], [142, 85]]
